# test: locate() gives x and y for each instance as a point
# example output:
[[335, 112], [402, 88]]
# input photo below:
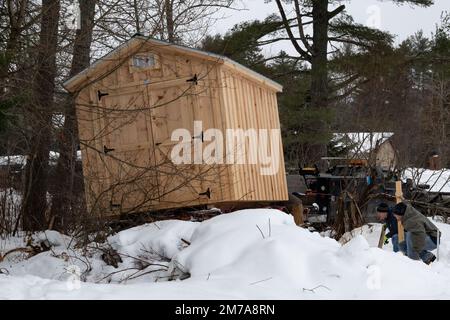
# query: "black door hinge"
[[200, 136], [101, 94], [194, 79], [206, 193], [106, 150]]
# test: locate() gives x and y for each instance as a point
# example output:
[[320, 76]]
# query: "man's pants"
[[425, 255], [395, 245]]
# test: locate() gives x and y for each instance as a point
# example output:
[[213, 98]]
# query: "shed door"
[[128, 149], [174, 108]]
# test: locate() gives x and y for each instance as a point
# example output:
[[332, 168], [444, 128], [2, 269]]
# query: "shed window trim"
[[146, 61]]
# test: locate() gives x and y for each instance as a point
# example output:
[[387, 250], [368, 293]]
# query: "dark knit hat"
[[383, 207], [399, 209]]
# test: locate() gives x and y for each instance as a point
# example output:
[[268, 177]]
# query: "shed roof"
[[133, 44]]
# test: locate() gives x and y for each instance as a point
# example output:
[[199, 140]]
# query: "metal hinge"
[[200, 136], [106, 150], [206, 193], [194, 79], [101, 94]]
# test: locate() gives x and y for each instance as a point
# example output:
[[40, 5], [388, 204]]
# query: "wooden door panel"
[[128, 150]]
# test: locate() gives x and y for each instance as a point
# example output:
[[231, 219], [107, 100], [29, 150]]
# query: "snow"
[[164, 238], [12, 160], [247, 254], [438, 180], [21, 160]]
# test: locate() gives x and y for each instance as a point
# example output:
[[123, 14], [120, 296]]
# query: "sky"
[[400, 20]]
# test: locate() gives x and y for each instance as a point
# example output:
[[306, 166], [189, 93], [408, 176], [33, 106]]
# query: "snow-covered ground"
[[248, 254]]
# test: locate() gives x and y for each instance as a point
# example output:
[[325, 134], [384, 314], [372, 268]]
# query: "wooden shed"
[[129, 104]]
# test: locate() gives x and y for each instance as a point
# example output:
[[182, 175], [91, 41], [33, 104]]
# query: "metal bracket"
[[106, 150], [101, 94], [200, 136], [206, 193], [194, 79]]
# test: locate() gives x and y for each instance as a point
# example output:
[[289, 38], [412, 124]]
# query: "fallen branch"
[[26, 250], [260, 281], [186, 242], [312, 290], [262, 234]]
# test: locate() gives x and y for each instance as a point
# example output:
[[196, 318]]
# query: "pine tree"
[[328, 26]]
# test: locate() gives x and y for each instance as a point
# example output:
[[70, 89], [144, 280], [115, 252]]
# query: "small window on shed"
[[147, 61]]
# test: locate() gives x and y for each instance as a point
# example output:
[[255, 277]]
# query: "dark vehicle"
[[323, 189]]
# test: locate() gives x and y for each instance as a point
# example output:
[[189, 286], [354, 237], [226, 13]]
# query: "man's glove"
[[386, 240]]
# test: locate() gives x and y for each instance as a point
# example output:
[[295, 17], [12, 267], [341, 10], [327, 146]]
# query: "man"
[[385, 215], [421, 235]]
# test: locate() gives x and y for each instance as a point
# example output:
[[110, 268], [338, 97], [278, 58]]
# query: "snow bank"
[[248, 254], [164, 238], [438, 180]]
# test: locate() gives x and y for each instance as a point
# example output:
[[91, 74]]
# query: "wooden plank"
[[259, 117], [216, 113], [232, 124], [398, 199], [250, 123], [243, 176], [237, 125], [273, 125], [269, 118], [224, 114], [85, 129], [282, 170], [264, 124], [208, 106]]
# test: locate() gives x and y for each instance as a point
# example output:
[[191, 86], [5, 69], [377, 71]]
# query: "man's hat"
[[399, 209], [383, 207]]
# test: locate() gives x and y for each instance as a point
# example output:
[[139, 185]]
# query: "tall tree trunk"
[[136, 15], [169, 20], [34, 203], [66, 169], [16, 21], [319, 74]]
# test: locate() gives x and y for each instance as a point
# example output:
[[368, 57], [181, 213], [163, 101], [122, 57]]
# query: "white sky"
[[400, 20]]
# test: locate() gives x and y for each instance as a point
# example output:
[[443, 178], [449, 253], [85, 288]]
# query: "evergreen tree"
[[328, 26]]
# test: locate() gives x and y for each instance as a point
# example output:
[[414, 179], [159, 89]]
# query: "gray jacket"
[[418, 227]]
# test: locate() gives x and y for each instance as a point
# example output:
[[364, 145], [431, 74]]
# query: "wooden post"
[[297, 212], [381, 240], [398, 198]]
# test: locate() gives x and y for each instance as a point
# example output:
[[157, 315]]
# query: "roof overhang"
[[114, 59]]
